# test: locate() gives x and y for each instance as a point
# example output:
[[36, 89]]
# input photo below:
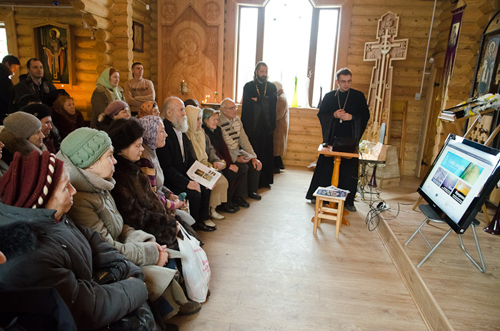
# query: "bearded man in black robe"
[[258, 116], [343, 113]]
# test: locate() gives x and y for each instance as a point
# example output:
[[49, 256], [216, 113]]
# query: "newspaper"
[[331, 191], [203, 175]]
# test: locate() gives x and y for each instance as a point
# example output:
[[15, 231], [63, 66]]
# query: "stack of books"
[[452, 114]]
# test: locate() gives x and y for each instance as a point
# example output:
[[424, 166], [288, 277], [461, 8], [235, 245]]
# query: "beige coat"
[[95, 208], [282, 119]]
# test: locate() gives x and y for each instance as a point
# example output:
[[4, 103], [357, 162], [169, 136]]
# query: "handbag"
[[141, 319], [195, 267]]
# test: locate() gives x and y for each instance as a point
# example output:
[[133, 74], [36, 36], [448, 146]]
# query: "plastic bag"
[[195, 267]]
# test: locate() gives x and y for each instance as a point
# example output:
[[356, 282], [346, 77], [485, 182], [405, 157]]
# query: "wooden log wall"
[[105, 41], [476, 16]]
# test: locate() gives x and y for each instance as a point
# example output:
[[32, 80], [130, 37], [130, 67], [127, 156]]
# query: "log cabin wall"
[[102, 37], [108, 41]]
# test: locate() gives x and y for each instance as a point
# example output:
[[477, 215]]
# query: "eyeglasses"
[[231, 108]]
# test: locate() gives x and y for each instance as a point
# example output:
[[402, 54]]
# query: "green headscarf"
[[104, 81]]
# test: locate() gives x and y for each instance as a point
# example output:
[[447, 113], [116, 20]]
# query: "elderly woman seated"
[[115, 110], [205, 154], [153, 138], [236, 176], [88, 154], [22, 133], [139, 206], [36, 194]]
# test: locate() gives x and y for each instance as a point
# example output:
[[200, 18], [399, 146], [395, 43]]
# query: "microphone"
[[182, 196]]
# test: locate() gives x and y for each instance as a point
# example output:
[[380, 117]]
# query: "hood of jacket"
[[83, 180]]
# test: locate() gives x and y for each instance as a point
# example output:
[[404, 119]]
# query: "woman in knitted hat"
[[235, 176], [22, 133], [153, 138], [36, 194], [115, 110], [106, 91], [148, 108], [205, 153], [88, 154], [65, 116]]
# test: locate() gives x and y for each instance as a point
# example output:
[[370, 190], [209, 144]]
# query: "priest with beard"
[[176, 157], [258, 116], [343, 113]]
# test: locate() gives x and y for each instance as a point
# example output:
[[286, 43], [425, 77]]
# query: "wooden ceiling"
[[49, 3]]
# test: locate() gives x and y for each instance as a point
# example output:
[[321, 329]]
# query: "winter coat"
[[281, 131], [101, 98], [139, 205], [64, 256], [95, 208], [14, 143]]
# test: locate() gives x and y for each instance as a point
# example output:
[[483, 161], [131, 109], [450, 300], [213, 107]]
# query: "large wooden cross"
[[383, 51]]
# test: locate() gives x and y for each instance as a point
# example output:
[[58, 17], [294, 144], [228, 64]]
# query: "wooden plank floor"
[[270, 273], [469, 299]]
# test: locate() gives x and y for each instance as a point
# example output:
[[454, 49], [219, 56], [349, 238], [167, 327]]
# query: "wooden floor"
[[270, 273], [469, 299]]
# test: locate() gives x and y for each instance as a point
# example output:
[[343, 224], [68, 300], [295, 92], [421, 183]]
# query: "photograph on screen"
[[457, 177]]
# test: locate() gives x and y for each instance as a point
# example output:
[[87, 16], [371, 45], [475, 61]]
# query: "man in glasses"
[[138, 90]]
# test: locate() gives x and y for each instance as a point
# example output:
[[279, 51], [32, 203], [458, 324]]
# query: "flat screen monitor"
[[460, 180]]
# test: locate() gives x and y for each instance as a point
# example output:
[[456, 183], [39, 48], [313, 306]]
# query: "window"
[[3, 41], [296, 40]]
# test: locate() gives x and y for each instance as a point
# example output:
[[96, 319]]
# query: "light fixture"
[[147, 6]]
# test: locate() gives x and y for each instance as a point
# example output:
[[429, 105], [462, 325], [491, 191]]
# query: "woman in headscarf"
[[148, 108], [153, 138], [205, 153], [106, 91]]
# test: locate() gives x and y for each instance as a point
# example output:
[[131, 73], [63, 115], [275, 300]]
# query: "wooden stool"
[[332, 211]]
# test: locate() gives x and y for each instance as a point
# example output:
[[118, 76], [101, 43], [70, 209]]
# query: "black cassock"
[[355, 104], [259, 121]]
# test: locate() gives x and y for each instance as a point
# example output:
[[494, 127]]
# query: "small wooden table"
[[326, 151]]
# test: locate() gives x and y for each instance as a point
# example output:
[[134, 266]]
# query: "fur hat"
[[22, 124], [150, 125], [115, 107], [30, 180], [123, 133], [39, 110], [85, 146]]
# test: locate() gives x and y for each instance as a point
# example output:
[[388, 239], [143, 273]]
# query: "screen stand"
[[432, 216]]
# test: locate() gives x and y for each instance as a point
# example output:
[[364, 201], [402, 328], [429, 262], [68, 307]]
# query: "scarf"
[[104, 81], [197, 137], [150, 125], [59, 108]]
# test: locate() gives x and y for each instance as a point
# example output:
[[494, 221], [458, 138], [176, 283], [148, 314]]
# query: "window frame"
[[313, 41]]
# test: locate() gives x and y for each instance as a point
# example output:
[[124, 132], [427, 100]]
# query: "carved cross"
[[383, 51]]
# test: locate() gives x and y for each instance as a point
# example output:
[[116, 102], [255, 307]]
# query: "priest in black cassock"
[[343, 113], [258, 116]]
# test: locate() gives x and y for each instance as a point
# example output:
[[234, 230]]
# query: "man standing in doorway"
[[258, 116], [138, 90], [343, 113]]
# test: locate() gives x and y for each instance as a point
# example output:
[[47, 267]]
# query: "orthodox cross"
[[383, 51]]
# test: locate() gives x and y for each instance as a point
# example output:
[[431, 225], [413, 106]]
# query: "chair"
[[432, 216], [332, 211]]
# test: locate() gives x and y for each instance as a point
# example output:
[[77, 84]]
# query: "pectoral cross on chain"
[[383, 51]]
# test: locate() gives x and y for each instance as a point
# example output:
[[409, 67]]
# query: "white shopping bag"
[[195, 267]]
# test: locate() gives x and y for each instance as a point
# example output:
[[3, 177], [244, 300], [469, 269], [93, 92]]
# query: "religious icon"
[[138, 37], [487, 69], [52, 50]]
